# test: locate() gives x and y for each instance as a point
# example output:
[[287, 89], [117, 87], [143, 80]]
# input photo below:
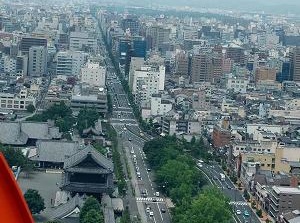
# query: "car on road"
[[144, 194], [154, 199], [199, 165], [163, 210], [129, 139], [148, 209], [246, 213], [157, 194], [238, 212], [148, 169], [229, 187], [151, 213]]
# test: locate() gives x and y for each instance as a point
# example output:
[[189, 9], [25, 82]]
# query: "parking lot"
[[46, 184]]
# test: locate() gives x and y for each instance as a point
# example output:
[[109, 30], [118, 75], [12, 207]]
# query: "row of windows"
[[11, 106], [14, 102], [254, 149]]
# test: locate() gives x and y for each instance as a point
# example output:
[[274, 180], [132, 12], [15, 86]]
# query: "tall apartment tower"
[[182, 63], [28, 42], [131, 23], [201, 68], [296, 65], [158, 35], [37, 61]]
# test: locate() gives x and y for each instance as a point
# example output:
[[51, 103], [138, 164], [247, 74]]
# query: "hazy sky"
[[282, 6]]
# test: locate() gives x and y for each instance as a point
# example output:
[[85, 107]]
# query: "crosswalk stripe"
[[238, 203], [158, 199]]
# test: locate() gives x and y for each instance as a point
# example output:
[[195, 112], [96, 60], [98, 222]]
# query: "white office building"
[[70, 62], [93, 74], [8, 64], [237, 84], [16, 101], [160, 106], [81, 40], [148, 80]]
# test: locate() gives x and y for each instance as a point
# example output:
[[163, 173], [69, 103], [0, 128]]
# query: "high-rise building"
[[296, 65], [37, 61], [131, 47], [201, 68], [138, 47], [216, 67], [135, 64], [124, 50], [265, 73], [8, 64], [285, 73], [148, 80], [22, 64], [182, 63], [82, 41], [131, 23], [27, 42], [70, 62], [157, 36], [236, 53], [93, 74]]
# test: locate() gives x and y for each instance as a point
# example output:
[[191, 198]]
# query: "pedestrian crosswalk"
[[149, 199], [238, 203]]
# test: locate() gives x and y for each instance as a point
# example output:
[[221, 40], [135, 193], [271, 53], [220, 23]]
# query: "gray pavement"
[[236, 198], [46, 184]]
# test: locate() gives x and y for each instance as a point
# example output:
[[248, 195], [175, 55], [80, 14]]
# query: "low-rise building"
[[18, 101], [99, 102], [283, 199]]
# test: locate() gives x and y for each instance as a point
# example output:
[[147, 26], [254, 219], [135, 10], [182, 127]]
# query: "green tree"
[[259, 213], [246, 195], [30, 108], [13, 156], [86, 118], [34, 201], [90, 204], [210, 206], [125, 216], [93, 216], [60, 113]]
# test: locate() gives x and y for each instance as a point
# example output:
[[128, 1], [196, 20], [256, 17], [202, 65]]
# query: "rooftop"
[[286, 190]]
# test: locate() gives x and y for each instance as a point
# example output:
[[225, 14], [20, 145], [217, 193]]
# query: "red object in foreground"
[[13, 207]]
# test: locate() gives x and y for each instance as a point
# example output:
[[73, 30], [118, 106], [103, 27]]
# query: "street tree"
[[34, 201], [210, 206]]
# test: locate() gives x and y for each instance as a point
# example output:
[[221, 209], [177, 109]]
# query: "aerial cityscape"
[[150, 111]]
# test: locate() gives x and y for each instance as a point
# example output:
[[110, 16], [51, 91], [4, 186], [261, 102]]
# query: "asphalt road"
[[132, 141], [236, 198]]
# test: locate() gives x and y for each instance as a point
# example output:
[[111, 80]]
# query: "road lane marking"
[[160, 213]]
